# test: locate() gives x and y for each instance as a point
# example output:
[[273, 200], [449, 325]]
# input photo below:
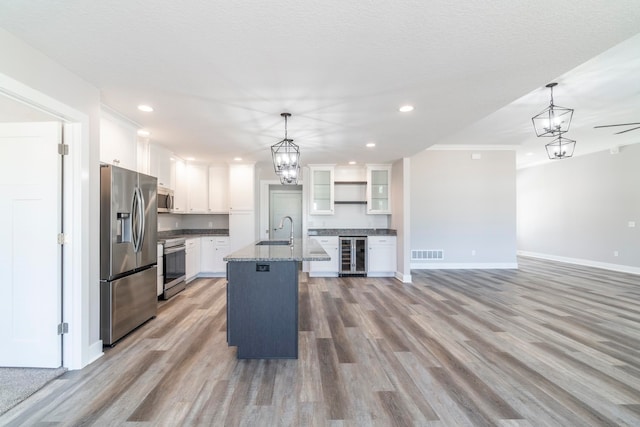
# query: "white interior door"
[[285, 203], [30, 257]]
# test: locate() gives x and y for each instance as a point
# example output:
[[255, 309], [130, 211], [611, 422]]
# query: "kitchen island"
[[262, 297]]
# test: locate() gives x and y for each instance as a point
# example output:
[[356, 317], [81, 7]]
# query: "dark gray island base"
[[262, 298]]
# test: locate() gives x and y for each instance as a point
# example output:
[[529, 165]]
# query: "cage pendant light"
[[286, 157], [554, 120], [560, 148]]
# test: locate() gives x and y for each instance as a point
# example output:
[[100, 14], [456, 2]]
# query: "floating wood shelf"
[[350, 202], [350, 182]]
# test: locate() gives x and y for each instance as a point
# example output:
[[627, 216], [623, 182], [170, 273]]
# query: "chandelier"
[[560, 148], [554, 121], [286, 157]]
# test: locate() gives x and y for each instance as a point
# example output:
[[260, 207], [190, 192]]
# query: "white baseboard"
[[323, 274], [586, 262], [94, 353], [404, 278], [464, 266]]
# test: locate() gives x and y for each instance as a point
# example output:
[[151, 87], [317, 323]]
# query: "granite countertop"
[[302, 250], [189, 233], [351, 232]]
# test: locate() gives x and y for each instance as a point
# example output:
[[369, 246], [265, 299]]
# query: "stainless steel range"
[[175, 272]]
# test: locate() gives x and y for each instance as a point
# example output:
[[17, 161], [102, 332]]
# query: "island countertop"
[[301, 250]]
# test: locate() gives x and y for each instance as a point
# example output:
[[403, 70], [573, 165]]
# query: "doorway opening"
[[285, 200]]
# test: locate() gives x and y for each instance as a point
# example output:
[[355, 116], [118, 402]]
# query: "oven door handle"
[[174, 249]]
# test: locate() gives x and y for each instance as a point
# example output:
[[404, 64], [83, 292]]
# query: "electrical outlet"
[[210, 224], [615, 253], [473, 252], [176, 224], [631, 224]]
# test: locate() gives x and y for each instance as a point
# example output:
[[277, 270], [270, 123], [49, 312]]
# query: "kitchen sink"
[[272, 243]]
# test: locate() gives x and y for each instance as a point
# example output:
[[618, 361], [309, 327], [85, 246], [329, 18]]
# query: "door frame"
[[76, 262]]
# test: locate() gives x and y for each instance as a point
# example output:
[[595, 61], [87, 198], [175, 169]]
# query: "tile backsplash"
[[167, 222]]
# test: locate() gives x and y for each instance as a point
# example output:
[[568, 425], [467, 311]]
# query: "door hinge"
[[63, 149], [63, 328], [61, 239]]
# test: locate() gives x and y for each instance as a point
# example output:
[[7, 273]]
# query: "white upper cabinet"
[[241, 187], [378, 189], [180, 190], [161, 165], [219, 189], [118, 141], [198, 188], [322, 190]]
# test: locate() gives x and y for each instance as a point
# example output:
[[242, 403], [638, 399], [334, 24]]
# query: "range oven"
[[174, 257]]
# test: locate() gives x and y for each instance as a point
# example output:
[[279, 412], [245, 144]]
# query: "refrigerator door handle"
[[141, 205], [134, 220]]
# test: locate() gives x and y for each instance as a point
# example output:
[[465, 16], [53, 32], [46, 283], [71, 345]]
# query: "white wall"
[[579, 209], [32, 76], [461, 205]]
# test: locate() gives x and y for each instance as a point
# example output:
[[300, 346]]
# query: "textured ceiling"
[[220, 73]]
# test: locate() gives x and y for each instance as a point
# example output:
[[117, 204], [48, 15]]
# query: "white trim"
[[586, 262], [95, 352], [464, 266], [264, 206], [404, 278]]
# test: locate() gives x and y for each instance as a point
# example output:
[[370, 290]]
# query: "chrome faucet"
[[282, 225]]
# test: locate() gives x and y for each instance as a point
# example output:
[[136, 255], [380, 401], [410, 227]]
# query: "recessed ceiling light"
[[352, 162], [143, 132], [190, 159], [145, 108], [371, 144], [529, 154], [405, 108], [237, 159]]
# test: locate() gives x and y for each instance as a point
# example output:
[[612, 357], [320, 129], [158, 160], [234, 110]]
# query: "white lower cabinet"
[[214, 249], [326, 268], [192, 260], [381, 256]]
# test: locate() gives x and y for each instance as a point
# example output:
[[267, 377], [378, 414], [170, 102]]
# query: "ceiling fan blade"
[[621, 124], [628, 130]]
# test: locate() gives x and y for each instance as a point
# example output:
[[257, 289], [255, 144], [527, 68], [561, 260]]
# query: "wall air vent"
[[427, 254]]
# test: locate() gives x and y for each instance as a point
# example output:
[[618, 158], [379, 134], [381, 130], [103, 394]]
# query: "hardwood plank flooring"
[[548, 344]]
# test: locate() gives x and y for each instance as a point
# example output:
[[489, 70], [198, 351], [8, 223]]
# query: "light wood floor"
[[548, 344]]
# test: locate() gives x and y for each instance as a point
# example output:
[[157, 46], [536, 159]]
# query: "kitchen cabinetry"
[[379, 189], [180, 190], [192, 259], [219, 189], [262, 309], [214, 249], [381, 256], [241, 187], [118, 142], [160, 166], [197, 188], [322, 190], [326, 268]]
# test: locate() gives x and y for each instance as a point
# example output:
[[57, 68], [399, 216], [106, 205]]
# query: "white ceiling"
[[220, 73]]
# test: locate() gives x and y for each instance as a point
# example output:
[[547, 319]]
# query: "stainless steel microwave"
[[165, 199]]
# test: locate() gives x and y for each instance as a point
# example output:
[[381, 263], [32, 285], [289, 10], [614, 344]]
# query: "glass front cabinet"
[[379, 189], [321, 200]]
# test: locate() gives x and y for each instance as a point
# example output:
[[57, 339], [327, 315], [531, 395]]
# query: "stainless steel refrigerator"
[[128, 251]]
